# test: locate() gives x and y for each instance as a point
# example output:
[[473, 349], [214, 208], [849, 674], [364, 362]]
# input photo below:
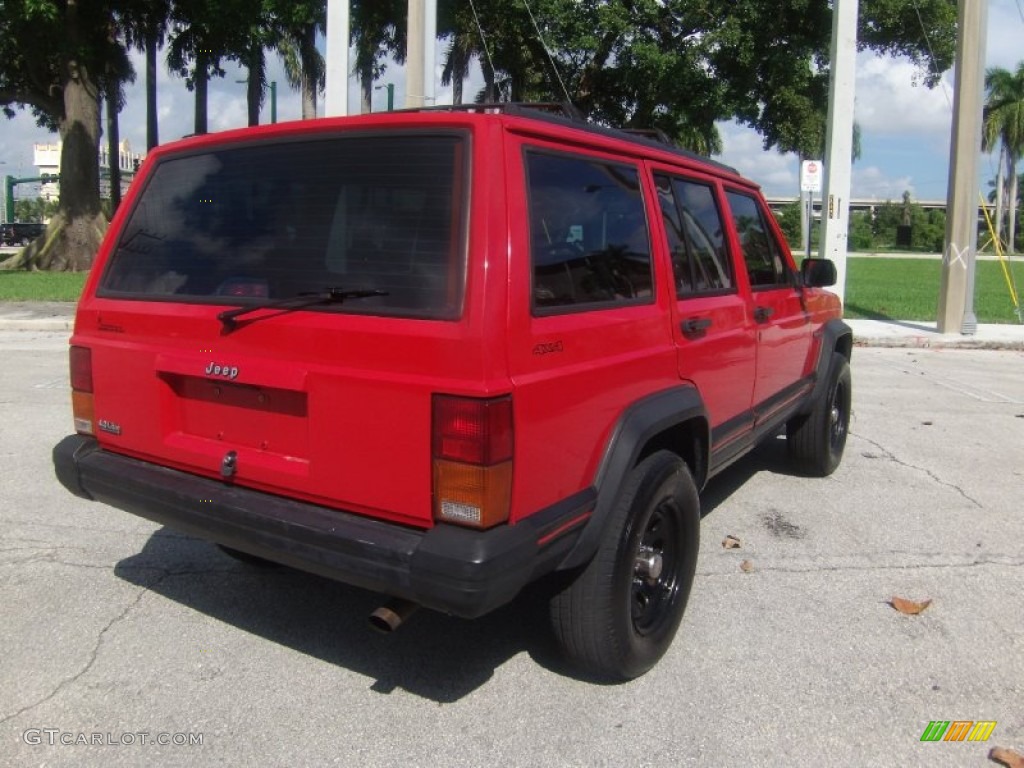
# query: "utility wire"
[[547, 50]]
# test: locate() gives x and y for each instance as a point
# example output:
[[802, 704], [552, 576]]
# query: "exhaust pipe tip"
[[390, 617]]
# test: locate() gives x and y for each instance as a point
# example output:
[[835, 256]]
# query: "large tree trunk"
[[201, 80], [366, 88], [152, 122], [309, 83], [113, 146], [254, 84], [74, 234]]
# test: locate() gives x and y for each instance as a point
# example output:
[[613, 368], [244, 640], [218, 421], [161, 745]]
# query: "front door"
[[782, 324]]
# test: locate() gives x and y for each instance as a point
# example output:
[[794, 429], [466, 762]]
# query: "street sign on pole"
[[810, 176]]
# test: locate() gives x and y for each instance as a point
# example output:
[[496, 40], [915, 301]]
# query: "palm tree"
[[1004, 125], [146, 31]]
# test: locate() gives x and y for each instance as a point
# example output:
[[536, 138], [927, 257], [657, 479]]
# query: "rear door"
[[783, 327], [712, 325]]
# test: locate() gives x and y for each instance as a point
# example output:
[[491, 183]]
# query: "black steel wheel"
[[816, 440], [621, 613]]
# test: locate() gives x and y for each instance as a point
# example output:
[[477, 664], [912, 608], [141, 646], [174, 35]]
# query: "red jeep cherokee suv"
[[443, 354]]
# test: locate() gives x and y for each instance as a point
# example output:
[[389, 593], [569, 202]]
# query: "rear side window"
[[589, 242], [278, 220], [693, 226], [761, 254]]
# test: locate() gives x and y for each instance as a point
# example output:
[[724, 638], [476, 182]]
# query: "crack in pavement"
[[896, 460], [93, 655], [1009, 563]]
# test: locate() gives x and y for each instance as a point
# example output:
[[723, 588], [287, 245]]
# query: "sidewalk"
[[60, 316]]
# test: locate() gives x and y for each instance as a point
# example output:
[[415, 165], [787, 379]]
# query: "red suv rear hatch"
[[330, 401]]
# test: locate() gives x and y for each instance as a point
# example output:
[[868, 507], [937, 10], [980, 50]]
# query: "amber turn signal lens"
[[82, 412], [466, 494]]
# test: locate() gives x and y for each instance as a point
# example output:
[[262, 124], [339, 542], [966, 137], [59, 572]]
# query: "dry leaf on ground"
[[746, 566], [731, 542], [1007, 757], [909, 607]]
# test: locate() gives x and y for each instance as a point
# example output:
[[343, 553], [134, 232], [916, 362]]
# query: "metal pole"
[[9, 197], [391, 97], [956, 291], [336, 64], [429, 45], [414, 55], [835, 201], [273, 101]]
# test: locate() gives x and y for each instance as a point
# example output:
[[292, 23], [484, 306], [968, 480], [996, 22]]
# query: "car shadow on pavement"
[[769, 456], [437, 657]]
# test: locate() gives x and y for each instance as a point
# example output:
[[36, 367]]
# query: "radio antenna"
[[554, 67], [483, 41]]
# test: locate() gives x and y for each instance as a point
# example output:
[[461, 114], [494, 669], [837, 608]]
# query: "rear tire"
[[620, 614], [816, 440]]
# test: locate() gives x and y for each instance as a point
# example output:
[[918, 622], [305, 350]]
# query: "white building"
[[46, 158]]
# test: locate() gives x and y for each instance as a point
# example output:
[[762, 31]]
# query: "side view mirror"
[[817, 273]]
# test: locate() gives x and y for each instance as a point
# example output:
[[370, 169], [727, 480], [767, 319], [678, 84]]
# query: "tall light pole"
[[414, 90], [835, 202], [336, 55], [419, 56], [956, 291]]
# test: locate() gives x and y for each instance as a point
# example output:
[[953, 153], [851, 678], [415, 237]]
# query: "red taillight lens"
[[472, 457], [81, 369], [471, 430]]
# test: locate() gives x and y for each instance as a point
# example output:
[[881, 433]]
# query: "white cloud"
[[893, 101], [873, 183], [743, 149]]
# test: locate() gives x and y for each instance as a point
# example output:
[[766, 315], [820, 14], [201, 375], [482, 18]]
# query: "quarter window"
[[589, 243]]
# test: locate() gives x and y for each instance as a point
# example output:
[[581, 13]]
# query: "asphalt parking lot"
[[120, 632]]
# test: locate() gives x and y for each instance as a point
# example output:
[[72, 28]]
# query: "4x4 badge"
[[228, 372]]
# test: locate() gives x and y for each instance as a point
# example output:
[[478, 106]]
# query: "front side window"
[[761, 254], [277, 220], [589, 243], [700, 260]]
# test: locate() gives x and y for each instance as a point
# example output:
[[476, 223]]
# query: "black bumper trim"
[[451, 569]]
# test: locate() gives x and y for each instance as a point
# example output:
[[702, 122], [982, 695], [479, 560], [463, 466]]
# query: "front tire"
[[620, 614], [816, 441]]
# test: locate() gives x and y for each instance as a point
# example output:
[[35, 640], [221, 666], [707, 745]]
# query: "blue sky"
[[905, 126]]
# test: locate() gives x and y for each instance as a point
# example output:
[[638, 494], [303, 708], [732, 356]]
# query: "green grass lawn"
[[897, 289], [908, 289], [41, 286]]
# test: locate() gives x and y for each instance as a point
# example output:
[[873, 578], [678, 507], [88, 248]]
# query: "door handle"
[[761, 314], [695, 325]]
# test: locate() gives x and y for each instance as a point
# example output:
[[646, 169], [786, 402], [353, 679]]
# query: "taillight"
[[472, 456], [81, 390]]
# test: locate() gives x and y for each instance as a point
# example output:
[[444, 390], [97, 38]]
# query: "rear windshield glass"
[[273, 221]]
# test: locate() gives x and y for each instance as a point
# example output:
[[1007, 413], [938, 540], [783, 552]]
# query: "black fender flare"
[[637, 425], [835, 335]]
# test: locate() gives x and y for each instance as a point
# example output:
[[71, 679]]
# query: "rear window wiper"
[[229, 317]]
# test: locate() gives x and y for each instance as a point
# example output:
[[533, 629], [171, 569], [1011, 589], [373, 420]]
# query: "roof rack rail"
[[561, 108], [654, 134], [566, 113]]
